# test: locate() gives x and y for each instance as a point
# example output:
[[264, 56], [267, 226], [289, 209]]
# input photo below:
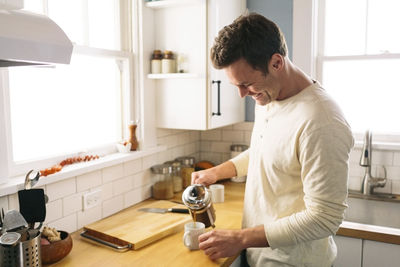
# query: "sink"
[[381, 210]]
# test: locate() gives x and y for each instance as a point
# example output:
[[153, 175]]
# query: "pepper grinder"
[[132, 136]]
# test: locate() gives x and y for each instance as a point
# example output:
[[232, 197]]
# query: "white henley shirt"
[[297, 171]]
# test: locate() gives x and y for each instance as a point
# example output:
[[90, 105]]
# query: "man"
[[297, 163]]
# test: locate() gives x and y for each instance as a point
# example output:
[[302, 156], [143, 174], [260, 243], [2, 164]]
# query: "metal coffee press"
[[198, 199]]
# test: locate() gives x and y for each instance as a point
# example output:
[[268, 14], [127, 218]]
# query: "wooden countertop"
[[170, 250]]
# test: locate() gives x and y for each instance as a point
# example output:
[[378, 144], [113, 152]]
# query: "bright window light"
[[368, 94], [64, 109], [359, 59]]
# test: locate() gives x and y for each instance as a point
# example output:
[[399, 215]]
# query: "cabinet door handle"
[[218, 113]]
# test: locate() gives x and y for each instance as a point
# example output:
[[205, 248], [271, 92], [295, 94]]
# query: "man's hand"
[[204, 177], [221, 243], [212, 175], [226, 243]]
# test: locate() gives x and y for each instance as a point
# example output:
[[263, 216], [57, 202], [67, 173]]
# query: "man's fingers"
[[205, 236]]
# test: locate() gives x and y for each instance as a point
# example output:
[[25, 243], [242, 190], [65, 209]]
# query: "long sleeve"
[[241, 163]]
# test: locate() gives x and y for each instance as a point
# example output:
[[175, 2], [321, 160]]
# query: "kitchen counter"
[[170, 250]]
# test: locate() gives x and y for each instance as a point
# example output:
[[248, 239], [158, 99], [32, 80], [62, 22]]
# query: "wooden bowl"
[[55, 251]]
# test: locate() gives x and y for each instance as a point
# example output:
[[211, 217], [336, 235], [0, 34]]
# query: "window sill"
[[12, 185]]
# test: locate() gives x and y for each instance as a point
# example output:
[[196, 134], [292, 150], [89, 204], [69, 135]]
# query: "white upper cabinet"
[[228, 107], [190, 100]]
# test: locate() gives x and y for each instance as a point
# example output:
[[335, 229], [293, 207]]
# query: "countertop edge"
[[370, 232]]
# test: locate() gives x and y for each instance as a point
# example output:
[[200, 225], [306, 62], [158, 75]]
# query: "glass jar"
[[156, 62], [187, 168], [163, 187], [168, 62], [176, 175]]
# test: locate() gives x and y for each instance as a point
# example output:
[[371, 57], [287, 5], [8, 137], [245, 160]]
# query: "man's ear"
[[276, 61]]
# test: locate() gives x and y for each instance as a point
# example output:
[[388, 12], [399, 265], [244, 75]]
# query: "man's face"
[[262, 88]]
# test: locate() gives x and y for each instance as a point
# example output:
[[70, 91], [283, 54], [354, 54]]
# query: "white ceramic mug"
[[191, 235], [217, 193]]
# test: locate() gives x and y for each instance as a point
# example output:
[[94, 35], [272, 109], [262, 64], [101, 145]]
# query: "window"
[[358, 61], [55, 112]]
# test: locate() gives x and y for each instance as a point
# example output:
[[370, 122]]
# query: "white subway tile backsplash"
[[149, 161], [194, 136], [355, 155], [112, 173], [13, 203], [396, 187], [171, 141], [396, 159], [190, 149], [132, 167], [88, 180], [61, 189], [354, 183], [146, 192], [4, 203], [213, 135], [177, 152], [247, 138], [233, 136], [183, 138], [142, 179], [67, 223], [244, 126], [205, 146], [122, 185], [382, 157], [229, 127], [215, 158], [162, 141], [113, 205], [164, 132], [106, 191], [356, 170], [89, 216], [393, 172], [225, 157], [132, 197], [54, 210], [221, 147], [72, 204], [164, 156]]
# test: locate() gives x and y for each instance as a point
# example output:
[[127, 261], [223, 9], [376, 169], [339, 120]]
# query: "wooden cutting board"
[[139, 228]]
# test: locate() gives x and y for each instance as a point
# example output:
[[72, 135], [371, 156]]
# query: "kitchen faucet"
[[369, 182]]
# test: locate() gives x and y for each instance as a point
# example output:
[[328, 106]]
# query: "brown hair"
[[252, 37]]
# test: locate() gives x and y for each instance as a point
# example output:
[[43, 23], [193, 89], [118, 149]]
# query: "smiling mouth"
[[257, 96]]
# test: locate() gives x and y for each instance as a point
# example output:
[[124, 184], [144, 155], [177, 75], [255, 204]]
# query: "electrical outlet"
[[91, 199]]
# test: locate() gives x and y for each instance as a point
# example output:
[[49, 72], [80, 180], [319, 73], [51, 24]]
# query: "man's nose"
[[243, 91]]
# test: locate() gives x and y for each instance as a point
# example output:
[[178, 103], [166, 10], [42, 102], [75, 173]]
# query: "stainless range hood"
[[27, 38]]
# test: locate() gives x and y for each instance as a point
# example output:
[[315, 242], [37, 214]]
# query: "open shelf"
[[172, 75]]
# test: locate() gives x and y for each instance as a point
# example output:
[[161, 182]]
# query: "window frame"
[[131, 96], [308, 42]]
